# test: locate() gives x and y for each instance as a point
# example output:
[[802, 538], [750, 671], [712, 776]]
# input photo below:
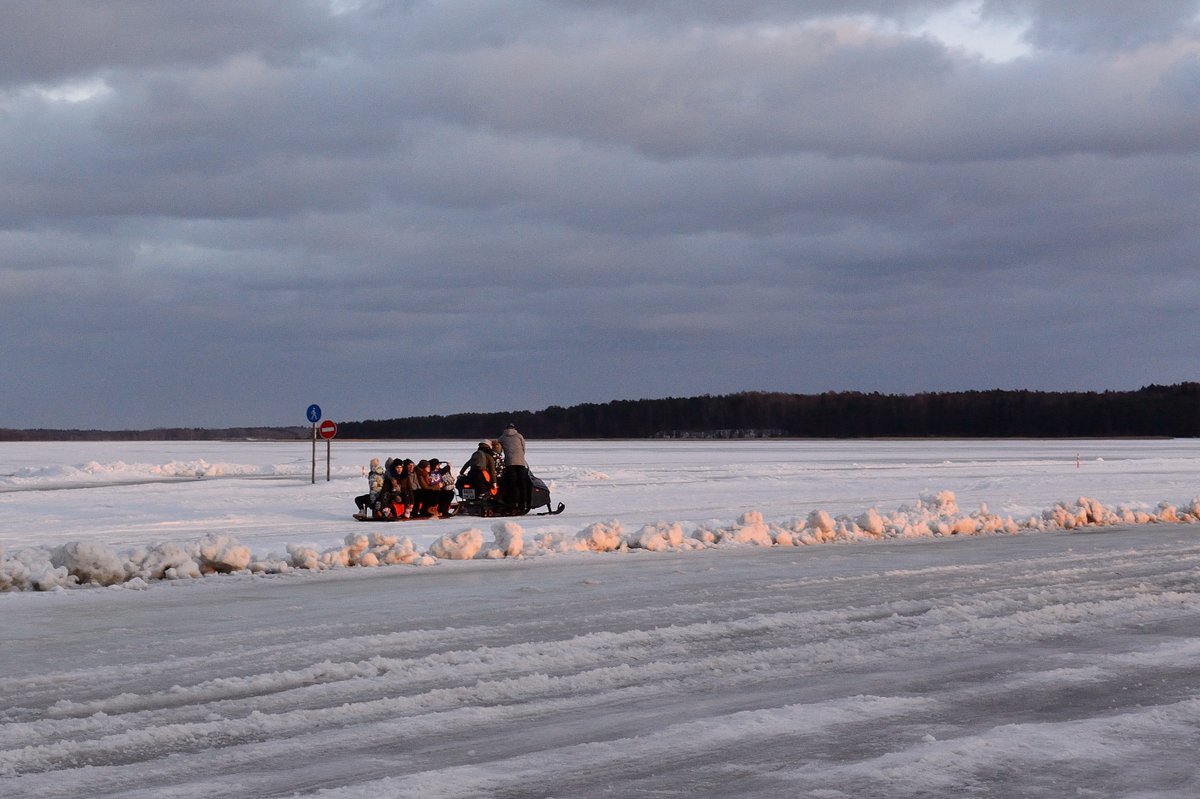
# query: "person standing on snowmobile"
[[518, 489]]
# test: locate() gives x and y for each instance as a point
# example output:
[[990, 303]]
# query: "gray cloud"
[[218, 214], [55, 40], [1100, 25]]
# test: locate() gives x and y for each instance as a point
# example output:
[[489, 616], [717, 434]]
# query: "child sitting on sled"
[[366, 502]]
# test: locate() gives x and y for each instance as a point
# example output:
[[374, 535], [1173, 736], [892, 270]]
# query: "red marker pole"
[[328, 431]]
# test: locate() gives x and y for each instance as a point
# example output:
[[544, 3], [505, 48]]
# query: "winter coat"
[[375, 480], [482, 460], [514, 447]]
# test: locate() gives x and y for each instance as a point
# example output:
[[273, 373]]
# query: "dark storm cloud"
[[217, 213]]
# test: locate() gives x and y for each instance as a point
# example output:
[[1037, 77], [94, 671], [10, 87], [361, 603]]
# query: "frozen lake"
[[127, 493], [1046, 663]]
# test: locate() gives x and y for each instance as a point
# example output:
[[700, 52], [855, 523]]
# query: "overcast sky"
[[216, 213]]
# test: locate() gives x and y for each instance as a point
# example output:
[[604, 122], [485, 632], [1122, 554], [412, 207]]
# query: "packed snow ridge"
[[80, 563]]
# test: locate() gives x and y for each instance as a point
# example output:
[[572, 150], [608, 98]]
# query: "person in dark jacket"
[[480, 471], [395, 495], [425, 495]]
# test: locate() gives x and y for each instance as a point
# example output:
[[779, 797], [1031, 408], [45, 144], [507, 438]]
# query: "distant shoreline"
[[1151, 412]]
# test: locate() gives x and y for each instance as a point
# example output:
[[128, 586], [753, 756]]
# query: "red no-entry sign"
[[327, 429]]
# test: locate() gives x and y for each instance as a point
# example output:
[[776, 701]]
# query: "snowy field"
[[706, 619]]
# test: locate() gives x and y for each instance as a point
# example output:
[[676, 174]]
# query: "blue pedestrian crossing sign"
[[314, 413]]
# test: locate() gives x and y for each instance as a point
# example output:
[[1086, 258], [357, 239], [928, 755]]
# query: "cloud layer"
[[218, 213]]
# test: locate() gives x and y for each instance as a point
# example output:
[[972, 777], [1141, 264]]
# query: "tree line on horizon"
[[158, 434], [1154, 410]]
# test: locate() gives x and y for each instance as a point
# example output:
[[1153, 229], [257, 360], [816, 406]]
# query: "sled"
[[482, 503], [367, 517]]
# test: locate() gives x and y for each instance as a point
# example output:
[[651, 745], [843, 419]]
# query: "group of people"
[[498, 467], [425, 489], [401, 488]]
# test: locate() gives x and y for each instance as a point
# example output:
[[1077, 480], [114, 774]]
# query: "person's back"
[[481, 468], [518, 490], [513, 444], [482, 460]]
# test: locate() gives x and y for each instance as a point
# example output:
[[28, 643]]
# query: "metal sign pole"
[[313, 414], [328, 446]]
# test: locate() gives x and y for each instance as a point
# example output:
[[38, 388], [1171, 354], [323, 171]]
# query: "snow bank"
[[376, 549], [90, 563], [749, 529], [600, 537], [935, 514], [509, 541], [116, 472], [460, 546], [656, 537]]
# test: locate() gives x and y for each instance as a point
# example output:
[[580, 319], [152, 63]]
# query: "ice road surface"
[[1047, 663]]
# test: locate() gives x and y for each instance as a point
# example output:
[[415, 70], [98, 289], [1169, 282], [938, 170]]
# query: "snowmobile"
[[477, 502], [473, 502]]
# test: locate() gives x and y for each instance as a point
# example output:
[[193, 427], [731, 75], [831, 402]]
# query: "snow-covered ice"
[[767, 618]]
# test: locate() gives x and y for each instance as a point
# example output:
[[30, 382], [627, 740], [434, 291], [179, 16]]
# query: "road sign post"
[[328, 429], [314, 415]]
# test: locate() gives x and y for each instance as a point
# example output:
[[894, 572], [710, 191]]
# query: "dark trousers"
[[426, 500], [518, 490]]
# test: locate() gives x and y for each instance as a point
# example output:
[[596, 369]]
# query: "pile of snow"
[[749, 529], [600, 537], [115, 472], [936, 514], [376, 549], [509, 541], [656, 537], [459, 546]]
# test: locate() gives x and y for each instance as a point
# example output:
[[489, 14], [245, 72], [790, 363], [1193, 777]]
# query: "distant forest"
[[1153, 410], [1150, 411], [159, 434]]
